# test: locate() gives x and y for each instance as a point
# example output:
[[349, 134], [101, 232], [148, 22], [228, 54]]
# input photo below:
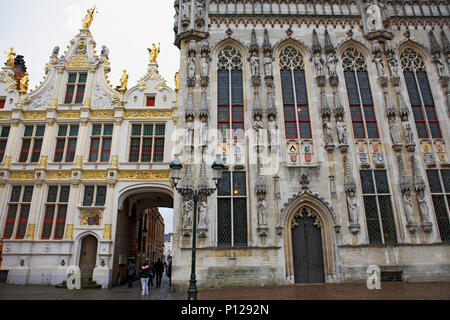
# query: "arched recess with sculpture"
[[306, 215]]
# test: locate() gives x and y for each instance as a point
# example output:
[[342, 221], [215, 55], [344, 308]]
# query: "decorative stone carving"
[[203, 212], [318, 64], [395, 133], [189, 130], [186, 13], [440, 66], [204, 132], [191, 70], [408, 134], [423, 210], [200, 14], [204, 66], [188, 208], [267, 65], [374, 20], [258, 126], [342, 132], [412, 225], [44, 100], [331, 64], [327, 132], [352, 207], [273, 130]]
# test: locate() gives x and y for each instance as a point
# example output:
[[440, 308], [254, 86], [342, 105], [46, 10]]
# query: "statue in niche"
[[327, 132], [331, 64], [191, 66], [204, 132], [342, 132], [261, 209], [254, 62], [267, 65], [352, 206], [318, 64], [200, 12], [186, 9], [408, 206], [393, 65], [374, 18], [380, 66], [273, 130], [204, 66], [439, 64], [202, 213], [395, 134], [407, 133], [258, 126], [189, 130], [423, 206], [188, 207]]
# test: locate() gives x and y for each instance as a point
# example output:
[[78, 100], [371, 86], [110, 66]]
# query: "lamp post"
[[194, 194]]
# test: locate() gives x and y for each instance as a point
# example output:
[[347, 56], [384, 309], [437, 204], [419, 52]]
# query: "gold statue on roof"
[[177, 80], [10, 58], [87, 21], [154, 53], [23, 83], [124, 80]]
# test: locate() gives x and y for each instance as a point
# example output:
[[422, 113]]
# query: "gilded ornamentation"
[[58, 175], [69, 114], [166, 114], [102, 114], [10, 58], [78, 62], [6, 161], [154, 53], [81, 48], [91, 218], [34, 115], [22, 175], [144, 175], [107, 232], [23, 82], [124, 80], [95, 175], [114, 161], [177, 80], [43, 161], [78, 161], [161, 84], [5, 115], [30, 230], [69, 231], [87, 21]]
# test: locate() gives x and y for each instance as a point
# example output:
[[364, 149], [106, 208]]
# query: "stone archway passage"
[[307, 248], [88, 255]]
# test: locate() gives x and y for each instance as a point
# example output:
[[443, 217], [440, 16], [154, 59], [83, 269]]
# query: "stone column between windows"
[[115, 141], [13, 145], [54, 102], [50, 135], [89, 84], [35, 209], [72, 210], [3, 207], [108, 214], [81, 143]]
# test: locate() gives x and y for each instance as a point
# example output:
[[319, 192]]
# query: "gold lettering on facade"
[[144, 175], [166, 114], [78, 62]]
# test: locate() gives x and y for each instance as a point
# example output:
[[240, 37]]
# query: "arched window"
[[230, 98], [297, 122], [420, 96], [359, 95]]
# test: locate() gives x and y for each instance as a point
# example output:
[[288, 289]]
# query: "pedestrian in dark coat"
[[159, 269], [131, 273], [169, 272]]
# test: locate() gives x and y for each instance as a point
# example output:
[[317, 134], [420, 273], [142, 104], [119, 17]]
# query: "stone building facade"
[[81, 164], [331, 117]]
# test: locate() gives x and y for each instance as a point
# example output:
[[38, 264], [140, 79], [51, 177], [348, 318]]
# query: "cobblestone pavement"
[[348, 291], [45, 292]]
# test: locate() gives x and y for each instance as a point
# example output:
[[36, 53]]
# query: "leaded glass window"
[[297, 122], [378, 207], [420, 96], [55, 212], [230, 94], [18, 212], [359, 95], [439, 182], [232, 209], [94, 192]]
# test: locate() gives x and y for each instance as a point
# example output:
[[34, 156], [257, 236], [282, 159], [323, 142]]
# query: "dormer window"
[[76, 85], [150, 102]]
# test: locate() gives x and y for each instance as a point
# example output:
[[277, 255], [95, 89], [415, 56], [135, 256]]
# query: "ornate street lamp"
[[194, 194]]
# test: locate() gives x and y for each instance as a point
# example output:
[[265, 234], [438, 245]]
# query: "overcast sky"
[[34, 27]]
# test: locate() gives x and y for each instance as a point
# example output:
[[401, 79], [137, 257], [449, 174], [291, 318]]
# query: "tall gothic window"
[[439, 182], [359, 95], [232, 209], [378, 207], [230, 97], [18, 211], [420, 96], [297, 122], [55, 212]]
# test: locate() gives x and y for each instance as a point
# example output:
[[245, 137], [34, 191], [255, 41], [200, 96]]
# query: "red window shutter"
[[150, 101], [2, 103]]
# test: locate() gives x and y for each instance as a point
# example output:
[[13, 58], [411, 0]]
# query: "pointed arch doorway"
[[88, 255], [307, 248]]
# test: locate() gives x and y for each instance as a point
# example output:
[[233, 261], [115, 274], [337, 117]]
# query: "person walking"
[[152, 274], [159, 269], [169, 272], [145, 274], [131, 273]]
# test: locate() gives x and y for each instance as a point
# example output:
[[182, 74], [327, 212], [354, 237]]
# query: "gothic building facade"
[[331, 119]]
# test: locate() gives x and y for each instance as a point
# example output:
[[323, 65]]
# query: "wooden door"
[[88, 255], [307, 249]]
